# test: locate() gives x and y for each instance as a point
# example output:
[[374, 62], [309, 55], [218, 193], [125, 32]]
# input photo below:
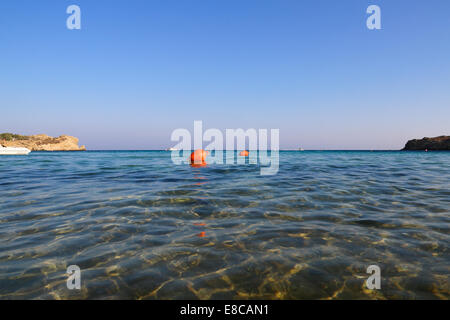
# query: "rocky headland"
[[433, 144], [41, 142]]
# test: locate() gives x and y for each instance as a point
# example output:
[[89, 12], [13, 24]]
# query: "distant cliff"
[[437, 143], [41, 142]]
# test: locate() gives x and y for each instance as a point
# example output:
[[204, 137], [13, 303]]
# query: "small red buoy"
[[244, 153], [202, 234], [198, 157]]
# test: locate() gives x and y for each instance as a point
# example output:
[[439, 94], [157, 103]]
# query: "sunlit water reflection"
[[139, 226]]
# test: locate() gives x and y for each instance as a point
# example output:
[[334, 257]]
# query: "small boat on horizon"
[[301, 149], [13, 151]]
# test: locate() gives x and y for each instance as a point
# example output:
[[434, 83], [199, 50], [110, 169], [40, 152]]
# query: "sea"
[[139, 226]]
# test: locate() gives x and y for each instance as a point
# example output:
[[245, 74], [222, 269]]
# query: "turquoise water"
[[140, 227]]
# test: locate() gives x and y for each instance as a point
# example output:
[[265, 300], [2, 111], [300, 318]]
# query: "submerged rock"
[[41, 142], [437, 143]]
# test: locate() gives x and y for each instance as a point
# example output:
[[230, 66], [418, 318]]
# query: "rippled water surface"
[[140, 227]]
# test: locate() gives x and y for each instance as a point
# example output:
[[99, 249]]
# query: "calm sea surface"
[[141, 227]]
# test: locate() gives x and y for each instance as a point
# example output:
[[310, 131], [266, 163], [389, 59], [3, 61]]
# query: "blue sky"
[[137, 70]]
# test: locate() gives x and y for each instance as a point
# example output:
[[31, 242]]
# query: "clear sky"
[[137, 70]]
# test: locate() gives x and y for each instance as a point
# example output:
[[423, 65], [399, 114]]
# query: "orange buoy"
[[201, 234], [199, 156], [203, 164], [244, 153]]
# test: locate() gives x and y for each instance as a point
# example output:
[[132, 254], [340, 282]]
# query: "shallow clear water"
[[139, 226]]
